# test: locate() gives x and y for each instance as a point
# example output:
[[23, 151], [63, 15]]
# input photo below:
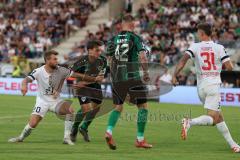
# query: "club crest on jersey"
[[83, 99]]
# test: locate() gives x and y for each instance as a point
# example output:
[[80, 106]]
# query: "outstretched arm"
[[87, 78], [179, 67], [24, 87]]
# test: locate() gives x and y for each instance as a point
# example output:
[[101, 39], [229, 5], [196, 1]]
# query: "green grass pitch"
[[163, 131]]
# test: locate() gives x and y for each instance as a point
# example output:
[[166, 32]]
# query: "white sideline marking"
[[13, 117]]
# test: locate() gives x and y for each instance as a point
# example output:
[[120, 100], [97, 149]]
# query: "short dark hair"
[[127, 18], [206, 28], [93, 44], [48, 54]]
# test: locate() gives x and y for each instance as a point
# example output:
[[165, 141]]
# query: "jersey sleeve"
[[223, 55], [138, 42], [78, 66], [65, 72], [191, 50], [34, 74]]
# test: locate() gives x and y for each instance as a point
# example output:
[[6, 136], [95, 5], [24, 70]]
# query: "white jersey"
[[208, 57], [45, 84]]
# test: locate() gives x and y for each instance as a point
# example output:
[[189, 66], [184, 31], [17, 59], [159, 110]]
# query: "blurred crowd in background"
[[169, 28], [29, 27]]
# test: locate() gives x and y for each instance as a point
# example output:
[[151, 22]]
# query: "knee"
[[217, 118], [86, 108]]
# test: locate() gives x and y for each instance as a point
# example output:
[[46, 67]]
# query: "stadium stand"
[[169, 33], [30, 27]]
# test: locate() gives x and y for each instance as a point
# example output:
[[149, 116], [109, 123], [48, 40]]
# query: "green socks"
[[78, 119], [114, 116], [89, 118], [141, 123]]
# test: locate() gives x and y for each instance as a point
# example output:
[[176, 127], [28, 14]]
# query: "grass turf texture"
[[163, 131]]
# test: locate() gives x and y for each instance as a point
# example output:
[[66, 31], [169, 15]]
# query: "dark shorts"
[[136, 90], [91, 93]]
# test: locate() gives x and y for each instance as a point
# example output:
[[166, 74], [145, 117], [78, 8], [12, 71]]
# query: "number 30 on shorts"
[[37, 109]]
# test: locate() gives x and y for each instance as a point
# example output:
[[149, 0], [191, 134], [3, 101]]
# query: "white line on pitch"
[[13, 117]]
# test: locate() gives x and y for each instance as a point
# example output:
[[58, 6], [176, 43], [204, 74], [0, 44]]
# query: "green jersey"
[[124, 48], [84, 66]]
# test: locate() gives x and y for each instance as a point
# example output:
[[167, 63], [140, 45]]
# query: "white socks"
[[223, 129], [206, 120], [67, 129], [26, 132], [203, 120]]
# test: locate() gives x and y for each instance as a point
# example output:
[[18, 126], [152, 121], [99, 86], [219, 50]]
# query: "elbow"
[[230, 68]]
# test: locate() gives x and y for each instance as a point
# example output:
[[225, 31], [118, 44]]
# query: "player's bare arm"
[[24, 87], [144, 63], [87, 78], [179, 67], [228, 65]]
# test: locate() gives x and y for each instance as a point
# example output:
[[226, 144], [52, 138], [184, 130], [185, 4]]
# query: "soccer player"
[[126, 56], [209, 58], [90, 97], [50, 78]]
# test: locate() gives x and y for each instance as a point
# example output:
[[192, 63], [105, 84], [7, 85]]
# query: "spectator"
[[77, 52], [32, 26], [1, 56], [170, 28], [128, 6], [16, 72], [182, 79], [225, 84], [191, 79]]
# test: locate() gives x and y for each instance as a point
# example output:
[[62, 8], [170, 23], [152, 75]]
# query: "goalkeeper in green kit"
[[127, 54]]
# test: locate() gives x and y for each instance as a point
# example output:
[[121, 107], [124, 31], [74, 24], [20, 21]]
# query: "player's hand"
[[146, 77], [175, 81], [79, 85], [24, 89], [99, 78]]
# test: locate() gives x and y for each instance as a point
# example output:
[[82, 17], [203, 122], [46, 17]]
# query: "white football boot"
[[236, 149], [68, 141], [15, 140]]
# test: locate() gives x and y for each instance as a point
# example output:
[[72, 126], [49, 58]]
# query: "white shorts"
[[210, 96], [42, 107]]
